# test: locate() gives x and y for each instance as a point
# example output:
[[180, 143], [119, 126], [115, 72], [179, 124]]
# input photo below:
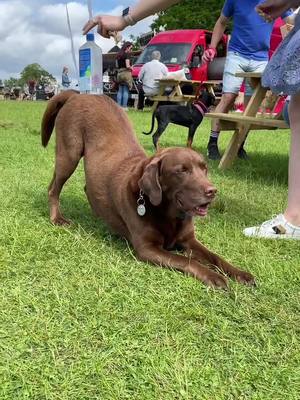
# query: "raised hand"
[[272, 9], [107, 25], [209, 55]]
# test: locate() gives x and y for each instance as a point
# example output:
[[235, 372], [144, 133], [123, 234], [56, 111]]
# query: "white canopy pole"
[[90, 8], [72, 43]]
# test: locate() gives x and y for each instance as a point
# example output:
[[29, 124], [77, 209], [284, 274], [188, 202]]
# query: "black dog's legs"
[[192, 130], [160, 129]]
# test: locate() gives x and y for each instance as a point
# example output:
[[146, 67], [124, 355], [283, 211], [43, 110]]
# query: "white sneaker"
[[276, 228]]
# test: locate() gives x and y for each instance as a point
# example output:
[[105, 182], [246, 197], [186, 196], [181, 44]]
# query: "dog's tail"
[[152, 124], [53, 107]]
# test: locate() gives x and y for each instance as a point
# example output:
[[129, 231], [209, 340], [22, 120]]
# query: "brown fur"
[[174, 182]]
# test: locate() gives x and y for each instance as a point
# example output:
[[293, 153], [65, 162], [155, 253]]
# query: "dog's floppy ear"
[[149, 182]]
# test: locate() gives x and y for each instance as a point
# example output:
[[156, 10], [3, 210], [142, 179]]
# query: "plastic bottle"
[[90, 67]]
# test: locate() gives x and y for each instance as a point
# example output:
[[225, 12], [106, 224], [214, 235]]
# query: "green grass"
[[81, 318]]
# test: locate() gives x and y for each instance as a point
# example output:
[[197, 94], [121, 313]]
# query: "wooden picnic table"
[[176, 94], [241, 124]]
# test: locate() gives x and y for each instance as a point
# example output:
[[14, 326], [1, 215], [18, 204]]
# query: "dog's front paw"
[[60, 221], [246, 278], [215, 280]]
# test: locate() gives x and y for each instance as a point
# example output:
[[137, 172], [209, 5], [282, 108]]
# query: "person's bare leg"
[[287, 225], [225, 105], [292, 212]]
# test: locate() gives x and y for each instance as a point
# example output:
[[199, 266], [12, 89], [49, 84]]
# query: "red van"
[[183, 49]]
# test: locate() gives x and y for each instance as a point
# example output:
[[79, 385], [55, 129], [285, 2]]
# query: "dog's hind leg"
[[159, 131], [65, 165]]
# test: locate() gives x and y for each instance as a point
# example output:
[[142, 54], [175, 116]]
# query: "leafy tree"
[[189, 14], [37, 73], [11, 82], [135, 42]]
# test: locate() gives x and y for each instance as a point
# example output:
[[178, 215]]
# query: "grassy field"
[[82, 319]]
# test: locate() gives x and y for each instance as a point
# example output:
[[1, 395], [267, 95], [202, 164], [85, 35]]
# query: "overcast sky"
[[36, 31]]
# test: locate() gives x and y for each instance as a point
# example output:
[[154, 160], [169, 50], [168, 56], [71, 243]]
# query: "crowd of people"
[[35, 89], [31, 90]]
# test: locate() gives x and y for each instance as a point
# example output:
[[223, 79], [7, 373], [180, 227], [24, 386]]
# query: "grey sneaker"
[[276, 228]]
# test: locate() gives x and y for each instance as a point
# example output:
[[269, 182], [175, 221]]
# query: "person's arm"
[[219, 30], [127, 63], [290, 19], [217, 34], [143, 8], [272, 9], [165, 71], [141, 73]]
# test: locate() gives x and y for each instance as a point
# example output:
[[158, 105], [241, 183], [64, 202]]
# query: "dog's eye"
[[182, 170]]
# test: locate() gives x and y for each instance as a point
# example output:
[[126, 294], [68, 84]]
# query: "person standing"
[[282, 75], [247, 52], [65, 80], [148, 75], [124, 76]]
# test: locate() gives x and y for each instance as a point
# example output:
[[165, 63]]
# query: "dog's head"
[[178, 177], [207, 98]]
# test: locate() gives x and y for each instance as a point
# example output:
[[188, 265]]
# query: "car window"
[[171, 53]]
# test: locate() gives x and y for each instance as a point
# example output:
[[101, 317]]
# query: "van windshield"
[[171, 53]]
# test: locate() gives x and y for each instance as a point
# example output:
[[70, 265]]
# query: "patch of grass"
[[81, 318]]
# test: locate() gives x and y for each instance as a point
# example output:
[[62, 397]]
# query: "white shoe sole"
[[275, 236]]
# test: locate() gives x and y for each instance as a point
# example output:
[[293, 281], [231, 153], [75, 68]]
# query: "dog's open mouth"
[[201, 210]]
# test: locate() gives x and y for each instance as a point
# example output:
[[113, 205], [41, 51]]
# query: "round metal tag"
[[141, 210]]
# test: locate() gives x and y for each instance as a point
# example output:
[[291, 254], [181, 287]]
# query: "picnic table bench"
[[176, 85], [241, 124]]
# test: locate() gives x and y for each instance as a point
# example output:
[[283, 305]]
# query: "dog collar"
[[200, 107], [181, 215]]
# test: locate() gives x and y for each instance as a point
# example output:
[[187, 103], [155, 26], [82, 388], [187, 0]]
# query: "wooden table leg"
[[210, 89], [160, 93], [154, 106], [240, 133]]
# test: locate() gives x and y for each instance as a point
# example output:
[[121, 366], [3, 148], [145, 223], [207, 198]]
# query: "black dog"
[[190, 116]]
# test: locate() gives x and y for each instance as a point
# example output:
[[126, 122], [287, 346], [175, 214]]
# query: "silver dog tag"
[[141, 210]]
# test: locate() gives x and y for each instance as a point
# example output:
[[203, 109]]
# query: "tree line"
[[32, 72]]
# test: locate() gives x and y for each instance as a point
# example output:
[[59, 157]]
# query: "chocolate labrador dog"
[[190, 116], [150, 201]]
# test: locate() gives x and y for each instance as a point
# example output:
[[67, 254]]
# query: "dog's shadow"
[[76, 208]]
